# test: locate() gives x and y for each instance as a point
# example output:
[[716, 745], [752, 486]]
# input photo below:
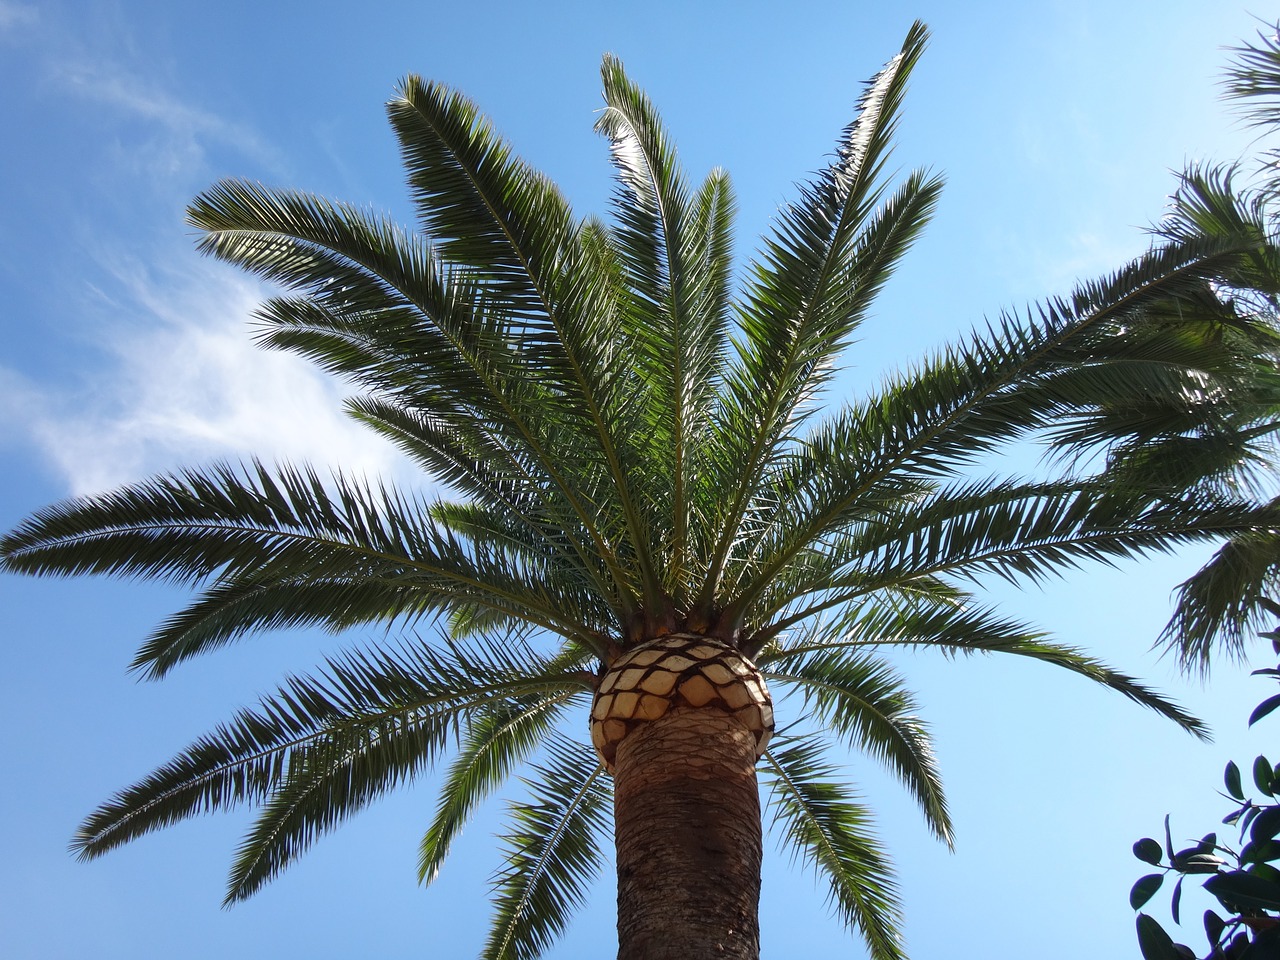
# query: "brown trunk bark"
[[688, 833]]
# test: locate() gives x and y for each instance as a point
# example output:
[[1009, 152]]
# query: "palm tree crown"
[[630, 434]]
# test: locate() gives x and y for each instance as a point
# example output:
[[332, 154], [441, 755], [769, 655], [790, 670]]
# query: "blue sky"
[[122, 353]]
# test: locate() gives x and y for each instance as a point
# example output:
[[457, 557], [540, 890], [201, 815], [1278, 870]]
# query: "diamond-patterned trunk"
[[680, 722]]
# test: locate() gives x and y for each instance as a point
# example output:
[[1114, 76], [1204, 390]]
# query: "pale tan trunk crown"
[[678, 669]]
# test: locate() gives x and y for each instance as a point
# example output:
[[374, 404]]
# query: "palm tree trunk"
[[688, 834]]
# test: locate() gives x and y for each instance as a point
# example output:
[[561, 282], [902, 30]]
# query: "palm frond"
[[552, 845], [1028, 531], [675, 248], [1017, 531], [321, 748], [1254, 77], [511, 227], [1225, 601], [466, 456], [495, 742], [859, 697], [377, 303], [824, 823], [379, 308], [969, 628], [921, 611], [484, 207], [291, 536], [972, 399], [811, 291]]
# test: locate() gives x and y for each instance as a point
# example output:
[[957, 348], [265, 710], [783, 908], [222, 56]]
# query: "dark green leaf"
[[1266, 825], [1266, 871], [1176, 905], [1262, 771], [1264, 708], [1271, 606], [1237, 889], [1260, 852], [1154, 942], [1250, 814], [1232, 777], [1208, 843], [860, 697], [1148, 851], [1145, 889], [1213, 926], [1265, 945]]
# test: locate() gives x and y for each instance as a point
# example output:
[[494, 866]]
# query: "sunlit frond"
[[552, 845], [859, 697], [824, 823], [811, 289], [322, 748]]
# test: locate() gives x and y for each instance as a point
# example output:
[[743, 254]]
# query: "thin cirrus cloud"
[[16, 15], [172, 375], [185, 384], [184, 126]]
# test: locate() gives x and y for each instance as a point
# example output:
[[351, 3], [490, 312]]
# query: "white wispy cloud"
[[171, 376], [108, 82], [180, 382], [1087, 254], [14, 15]]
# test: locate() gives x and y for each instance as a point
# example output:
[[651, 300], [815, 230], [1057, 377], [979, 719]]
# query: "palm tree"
[[1233, 450], [648, 517], [1226, 445]]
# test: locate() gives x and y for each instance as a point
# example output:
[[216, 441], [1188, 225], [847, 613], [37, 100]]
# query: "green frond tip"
[[323, 747], [497, 741], [1226, 602], [825, 824], [860, 698], [553, 846]]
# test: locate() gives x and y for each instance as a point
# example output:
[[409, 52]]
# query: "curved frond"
[[860, 698], [494, 744], [552, 844], [323, 747], [1225, 601], [483, 206], [381, 557], [1254, 77], [675, 249], [512, 228], [378, 308], [825, 824], [973, 398], [810, 292], [968, 628]]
